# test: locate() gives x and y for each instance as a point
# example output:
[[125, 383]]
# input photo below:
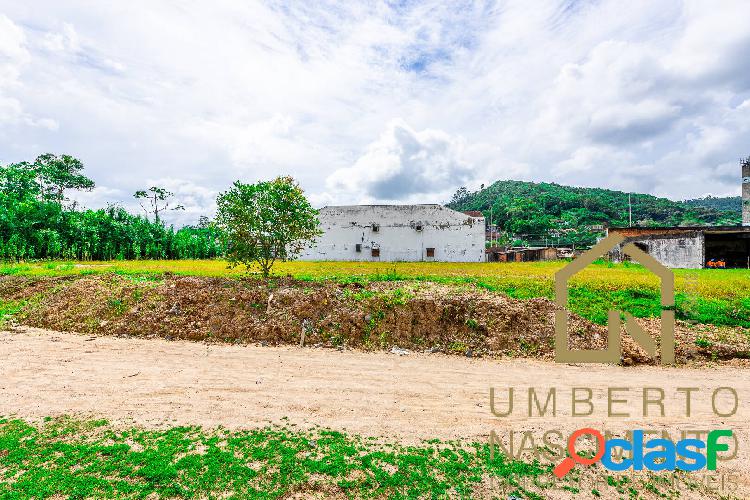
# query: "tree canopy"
[[265, 222], [56, 173]]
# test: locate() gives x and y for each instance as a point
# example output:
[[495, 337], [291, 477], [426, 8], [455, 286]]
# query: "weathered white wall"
[[685, 251], [456, 237]]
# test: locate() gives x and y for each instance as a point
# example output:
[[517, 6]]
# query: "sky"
[[378, 102]]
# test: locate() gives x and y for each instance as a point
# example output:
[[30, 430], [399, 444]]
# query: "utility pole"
[[630, 212]]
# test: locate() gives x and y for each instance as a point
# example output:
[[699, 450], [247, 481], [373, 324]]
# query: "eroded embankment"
[[412, 315]]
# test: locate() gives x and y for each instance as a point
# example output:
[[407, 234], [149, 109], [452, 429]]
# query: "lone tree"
[[158, 199], [265, 222]]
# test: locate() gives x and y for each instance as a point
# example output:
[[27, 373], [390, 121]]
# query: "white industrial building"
[[398, 233]]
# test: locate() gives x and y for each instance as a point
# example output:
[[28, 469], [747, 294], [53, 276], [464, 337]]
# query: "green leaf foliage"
[[266, 222], [37, 223]]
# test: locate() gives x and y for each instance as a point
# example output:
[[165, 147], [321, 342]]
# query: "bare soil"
[[157, 383], [214, 351], [414, 315]]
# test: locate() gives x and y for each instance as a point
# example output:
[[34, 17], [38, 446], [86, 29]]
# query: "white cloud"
[[404, 164], [201, 95], [98, 197], [714, 45], [14, 56], [588, 158], [65, 40], [616, 96], [12, 46], [195, 199]]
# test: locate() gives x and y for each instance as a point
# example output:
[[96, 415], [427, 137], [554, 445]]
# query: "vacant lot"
[[132, 409]]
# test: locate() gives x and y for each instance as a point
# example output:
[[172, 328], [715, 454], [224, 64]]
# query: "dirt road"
[[158, 382]]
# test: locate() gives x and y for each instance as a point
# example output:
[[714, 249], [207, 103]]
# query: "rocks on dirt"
[[400, 352]]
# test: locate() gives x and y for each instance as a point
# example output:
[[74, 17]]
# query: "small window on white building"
[[358, 247], [376, 228], [375, 252], [430, 252], [418, 227]]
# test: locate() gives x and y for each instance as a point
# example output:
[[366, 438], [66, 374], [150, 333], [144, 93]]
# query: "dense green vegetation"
[[91, 459], [726, 204], [531, 212], [38, 222]]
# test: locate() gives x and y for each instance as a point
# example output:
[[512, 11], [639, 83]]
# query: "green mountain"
[[533, 212]]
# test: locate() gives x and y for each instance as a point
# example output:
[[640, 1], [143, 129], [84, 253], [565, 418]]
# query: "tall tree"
[[58, 173], [266, 222], [158, 199]]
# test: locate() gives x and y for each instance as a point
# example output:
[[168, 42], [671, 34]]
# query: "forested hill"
[[534, 211], [729, 203]]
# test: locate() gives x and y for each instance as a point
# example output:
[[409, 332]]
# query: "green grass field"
[[89, 459], [711, 296], [92, 459]]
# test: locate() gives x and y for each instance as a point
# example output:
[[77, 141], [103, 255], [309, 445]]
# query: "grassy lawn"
[[712, 296], [92, 459], [86, 459]]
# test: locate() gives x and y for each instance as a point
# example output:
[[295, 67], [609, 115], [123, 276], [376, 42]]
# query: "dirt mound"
[[409, 315]]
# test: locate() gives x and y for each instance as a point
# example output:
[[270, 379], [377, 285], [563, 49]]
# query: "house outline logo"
[[563, 353]]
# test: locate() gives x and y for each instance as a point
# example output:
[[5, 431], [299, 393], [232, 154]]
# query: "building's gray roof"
[[424, 208]]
